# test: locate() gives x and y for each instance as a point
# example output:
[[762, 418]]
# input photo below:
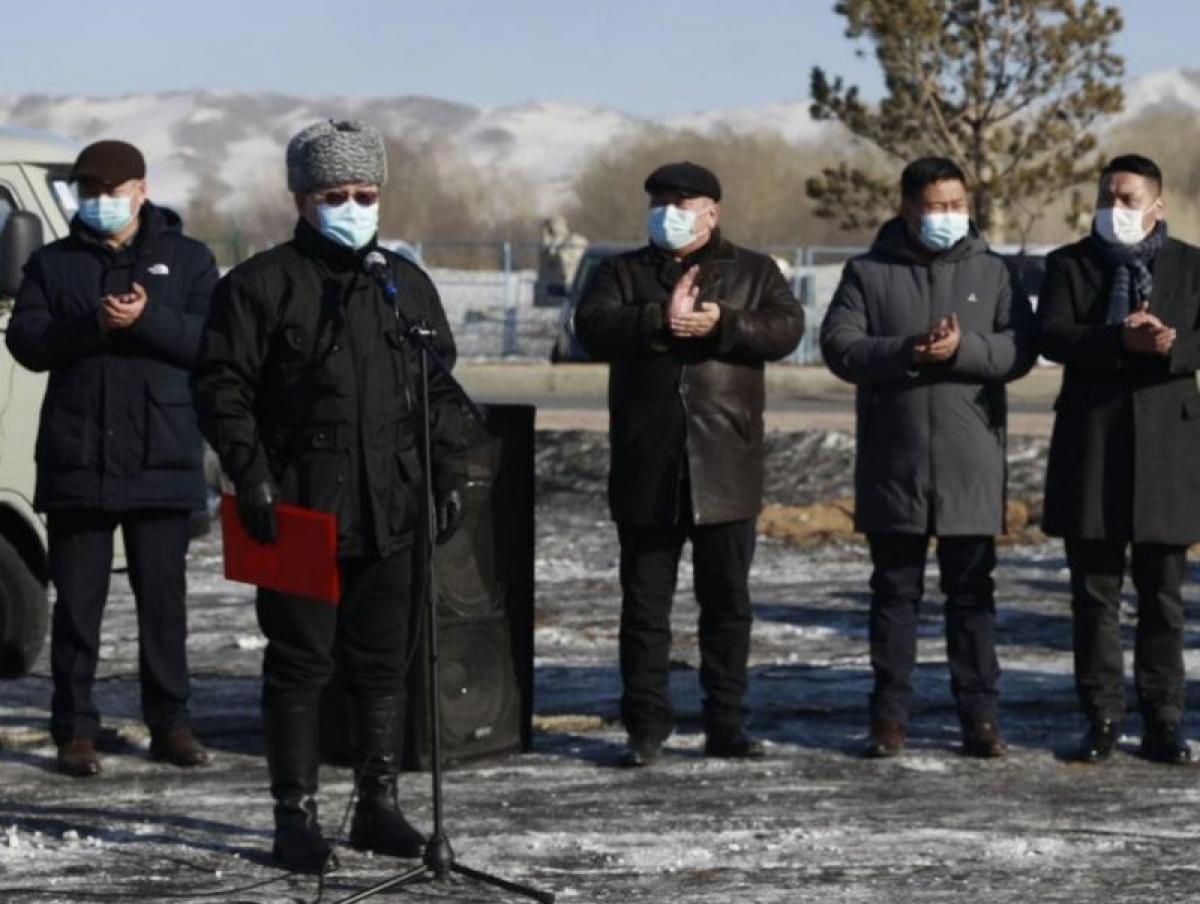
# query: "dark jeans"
[[1097, 573], [897, 585], [81, 550], [721, 556], [367, 633]]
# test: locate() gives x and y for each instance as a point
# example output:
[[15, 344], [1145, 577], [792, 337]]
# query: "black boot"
[[1101, 739], [290, 734], [378, 824]]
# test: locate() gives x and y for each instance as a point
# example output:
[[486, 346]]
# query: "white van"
[[36, 204]]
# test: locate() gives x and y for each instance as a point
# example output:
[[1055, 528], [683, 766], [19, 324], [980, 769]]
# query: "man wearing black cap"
[[686, 323], [114, 312], [305, 388]]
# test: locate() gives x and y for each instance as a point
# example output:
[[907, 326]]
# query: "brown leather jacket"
[[686, 415]]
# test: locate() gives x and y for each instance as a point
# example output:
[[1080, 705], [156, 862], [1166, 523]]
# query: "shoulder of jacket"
[[1187, 249], [1074, 251], [748, 257], [404, 268]]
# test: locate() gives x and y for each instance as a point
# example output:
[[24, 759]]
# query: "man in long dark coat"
[[1121, 309], [687, 322]]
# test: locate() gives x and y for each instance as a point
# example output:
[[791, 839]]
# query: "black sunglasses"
[[363, 197]]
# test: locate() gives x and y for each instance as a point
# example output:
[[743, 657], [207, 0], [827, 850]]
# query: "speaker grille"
[[480, 699], [464, 563]]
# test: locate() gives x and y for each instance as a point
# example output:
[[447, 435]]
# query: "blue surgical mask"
[[940, 231], [671, 227], [348, 224], [106, 214]]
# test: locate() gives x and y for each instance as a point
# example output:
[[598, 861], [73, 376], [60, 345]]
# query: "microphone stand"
[[438, 861]]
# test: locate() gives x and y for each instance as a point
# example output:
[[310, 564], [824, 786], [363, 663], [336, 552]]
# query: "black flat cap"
[[109, 162], [688, 179]]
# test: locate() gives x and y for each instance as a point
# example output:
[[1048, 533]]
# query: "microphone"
[[376, 266]]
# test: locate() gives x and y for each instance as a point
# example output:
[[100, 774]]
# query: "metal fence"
[[487, 289]]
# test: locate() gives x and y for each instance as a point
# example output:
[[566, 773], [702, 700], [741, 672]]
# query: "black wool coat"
[[117, 428], [686, 415], [1125, 453], [306, 378]]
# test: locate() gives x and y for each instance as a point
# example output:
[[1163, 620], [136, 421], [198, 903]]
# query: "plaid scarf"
[[1130, 266]]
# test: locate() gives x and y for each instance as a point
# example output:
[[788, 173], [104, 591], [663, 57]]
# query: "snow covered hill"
[[232, 143]]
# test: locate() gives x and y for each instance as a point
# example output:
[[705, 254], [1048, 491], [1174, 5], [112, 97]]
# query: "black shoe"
[[733, 744], [639, 752], [380, 827], [887, 739], [299, 845], [1163, 742], [982, 740], [1099, 742]]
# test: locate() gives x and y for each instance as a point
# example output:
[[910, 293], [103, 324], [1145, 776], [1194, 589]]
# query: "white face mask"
[[672, 227], [1121, 225]]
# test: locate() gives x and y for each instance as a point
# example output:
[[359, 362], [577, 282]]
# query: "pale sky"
[[646, 58]]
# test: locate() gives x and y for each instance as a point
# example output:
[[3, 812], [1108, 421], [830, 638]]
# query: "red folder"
[[303, 561]]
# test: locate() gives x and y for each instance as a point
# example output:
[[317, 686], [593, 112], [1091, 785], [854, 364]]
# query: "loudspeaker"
[[483, 578]]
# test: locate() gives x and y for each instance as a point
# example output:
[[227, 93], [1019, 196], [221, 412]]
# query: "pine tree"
[[1011, 90]]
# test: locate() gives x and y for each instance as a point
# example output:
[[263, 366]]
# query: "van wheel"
[[23, 611]]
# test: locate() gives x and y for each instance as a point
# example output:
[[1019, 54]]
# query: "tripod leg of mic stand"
[[545, 897], [402, 879]]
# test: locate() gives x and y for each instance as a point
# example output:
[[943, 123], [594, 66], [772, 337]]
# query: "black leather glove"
[[256, 510], [451, 509]]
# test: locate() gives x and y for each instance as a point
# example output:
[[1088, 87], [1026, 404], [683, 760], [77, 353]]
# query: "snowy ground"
[[813, 822]]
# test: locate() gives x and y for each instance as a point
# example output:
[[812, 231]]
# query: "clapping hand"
[[1145, 334], [119, 312], [683, 319], [940, 343]]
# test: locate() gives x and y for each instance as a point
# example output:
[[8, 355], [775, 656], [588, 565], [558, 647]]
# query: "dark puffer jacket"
[[931, 438], [687, 413], [305, 377], [117, 429]]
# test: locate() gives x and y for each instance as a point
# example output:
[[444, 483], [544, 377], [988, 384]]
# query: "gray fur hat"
[[332, 153]]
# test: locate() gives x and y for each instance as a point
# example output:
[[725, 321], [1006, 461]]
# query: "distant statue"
[[558, 260]]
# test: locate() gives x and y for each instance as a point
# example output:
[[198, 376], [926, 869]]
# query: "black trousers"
[[721, 556], [367, 633], [81, 550], [897, 585], [1097, 573]]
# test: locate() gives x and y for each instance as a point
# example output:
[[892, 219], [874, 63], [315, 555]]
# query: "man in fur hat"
[[305, 389]]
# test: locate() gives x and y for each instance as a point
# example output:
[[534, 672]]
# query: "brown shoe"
[[180, 748], [887, 738], [982, 740], [78, 758]]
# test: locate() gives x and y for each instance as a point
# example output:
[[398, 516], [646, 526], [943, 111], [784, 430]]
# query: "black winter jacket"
[[117, 429], [686, 415], [305, 377]]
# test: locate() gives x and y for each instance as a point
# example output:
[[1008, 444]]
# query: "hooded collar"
[[896, 240], [154, 223], [335, 255]]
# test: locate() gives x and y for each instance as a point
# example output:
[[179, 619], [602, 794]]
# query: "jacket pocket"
[[172, 437], [405, 506], [1191, 409], [67, 434], [403, 371]]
